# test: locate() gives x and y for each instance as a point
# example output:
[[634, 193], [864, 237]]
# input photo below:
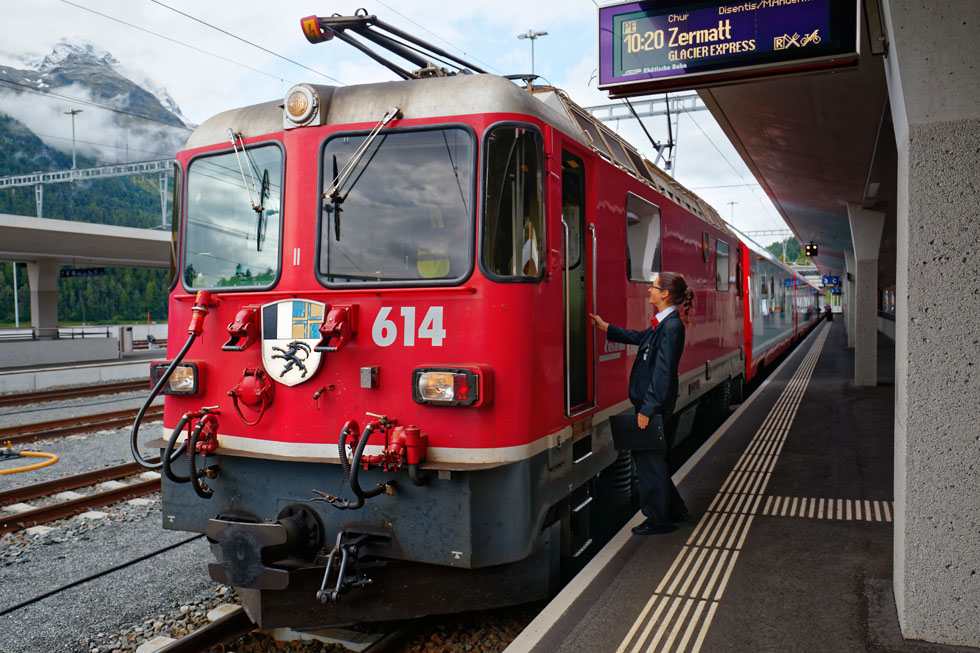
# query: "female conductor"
[[653, 390]]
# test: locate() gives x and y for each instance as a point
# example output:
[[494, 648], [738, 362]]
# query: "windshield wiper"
[[334, 207], [334, 192], [235, 139], [260, 218], [340, 178]]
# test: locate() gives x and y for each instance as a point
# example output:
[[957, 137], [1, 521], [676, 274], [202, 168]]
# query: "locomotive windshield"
[[230, 242], [404, 214]]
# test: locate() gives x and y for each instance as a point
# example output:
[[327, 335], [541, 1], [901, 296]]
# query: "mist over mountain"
[[36, 136], [146, 124]]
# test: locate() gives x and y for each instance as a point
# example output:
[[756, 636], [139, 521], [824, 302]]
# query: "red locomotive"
[[394, 402]]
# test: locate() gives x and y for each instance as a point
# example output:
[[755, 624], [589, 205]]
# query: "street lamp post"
[[72, 113], [533, 36], [732, 205]]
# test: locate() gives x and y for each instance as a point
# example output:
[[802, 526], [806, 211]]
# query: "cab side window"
[[643, 250], [513, 223]]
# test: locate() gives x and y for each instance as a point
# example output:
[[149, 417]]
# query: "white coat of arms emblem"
[[290, 331]]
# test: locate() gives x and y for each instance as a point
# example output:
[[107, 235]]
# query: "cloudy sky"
[[260, 52]]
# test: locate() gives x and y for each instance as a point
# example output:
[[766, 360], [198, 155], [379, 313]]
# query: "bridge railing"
[[63, 333]]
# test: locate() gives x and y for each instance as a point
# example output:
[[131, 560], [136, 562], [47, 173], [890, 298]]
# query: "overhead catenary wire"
[[26, 88], [173, 40], [745, 185], [109, 145], [735, 170], [243, 40], [449, 43]]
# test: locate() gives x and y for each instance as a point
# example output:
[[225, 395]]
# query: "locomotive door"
[[578, 243]]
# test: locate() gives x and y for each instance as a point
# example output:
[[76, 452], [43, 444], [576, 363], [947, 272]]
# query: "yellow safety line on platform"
[[693, 586]]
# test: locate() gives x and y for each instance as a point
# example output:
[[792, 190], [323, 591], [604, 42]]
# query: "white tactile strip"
[[679, 613], [824, 508]]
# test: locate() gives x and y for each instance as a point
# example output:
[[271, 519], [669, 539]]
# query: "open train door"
[[578, 283]]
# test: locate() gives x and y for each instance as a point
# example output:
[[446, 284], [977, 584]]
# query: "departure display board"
[[659, 45]]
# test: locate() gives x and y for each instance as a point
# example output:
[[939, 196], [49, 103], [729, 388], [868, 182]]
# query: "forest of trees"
[[123, 294], [794, 251]]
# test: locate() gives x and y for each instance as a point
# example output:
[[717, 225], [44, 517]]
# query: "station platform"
[[30, 378], [789, 546]]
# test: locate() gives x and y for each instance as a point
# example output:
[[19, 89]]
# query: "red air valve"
[[207, 441], [243, 330], [338, 328], [406, 444], [202, 303], [416, 444], [255, 391]]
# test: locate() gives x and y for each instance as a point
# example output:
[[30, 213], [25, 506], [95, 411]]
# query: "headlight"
[[301, 106], [445, 386], [185, 380]]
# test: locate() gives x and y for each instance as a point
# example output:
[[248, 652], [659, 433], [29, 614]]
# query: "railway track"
[[236, 624], [47, 488], [25, 433], [10, 522], [220, 631], [42, 396]]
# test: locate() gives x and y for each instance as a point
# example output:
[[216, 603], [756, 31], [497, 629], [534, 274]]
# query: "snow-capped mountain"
[[86, 65], [146, 123]]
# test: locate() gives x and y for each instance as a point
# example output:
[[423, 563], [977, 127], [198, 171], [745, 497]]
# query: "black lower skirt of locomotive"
[[466, 540]]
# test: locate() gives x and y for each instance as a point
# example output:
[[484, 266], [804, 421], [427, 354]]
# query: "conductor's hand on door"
[[599, 322]]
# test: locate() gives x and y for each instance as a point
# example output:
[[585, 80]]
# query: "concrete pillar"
[[43, 278], [847, 287], [935, 102], [866, 229]]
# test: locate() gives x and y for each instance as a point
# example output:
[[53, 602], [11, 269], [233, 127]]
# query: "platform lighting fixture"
[[72, 113], [533, 36]]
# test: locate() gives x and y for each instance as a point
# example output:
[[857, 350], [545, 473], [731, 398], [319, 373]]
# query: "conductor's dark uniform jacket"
[[653, 380]]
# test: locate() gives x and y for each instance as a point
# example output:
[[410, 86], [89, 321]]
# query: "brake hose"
[[134, 433], [170, 455], [353, 467], [199, 311], [200, 487]]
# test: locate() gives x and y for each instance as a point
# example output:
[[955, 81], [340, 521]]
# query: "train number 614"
[[385, 331]]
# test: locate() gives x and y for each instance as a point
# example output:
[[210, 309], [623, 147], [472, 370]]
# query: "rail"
[[42, 396], [21, 520], [45, 488], [57, 428]]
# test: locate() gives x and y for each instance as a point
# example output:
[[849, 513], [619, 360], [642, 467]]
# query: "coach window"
[[643, 255], [513, 220], [721, 265], [232, 215], [397, 209]]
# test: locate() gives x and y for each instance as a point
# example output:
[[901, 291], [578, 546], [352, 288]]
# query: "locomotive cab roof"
[[457, 95]]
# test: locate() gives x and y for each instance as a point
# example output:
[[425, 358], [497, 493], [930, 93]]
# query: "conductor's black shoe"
[[646, 528], [680, 519]]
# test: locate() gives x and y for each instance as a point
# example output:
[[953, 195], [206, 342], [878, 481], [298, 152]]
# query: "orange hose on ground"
[[51, 459]]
